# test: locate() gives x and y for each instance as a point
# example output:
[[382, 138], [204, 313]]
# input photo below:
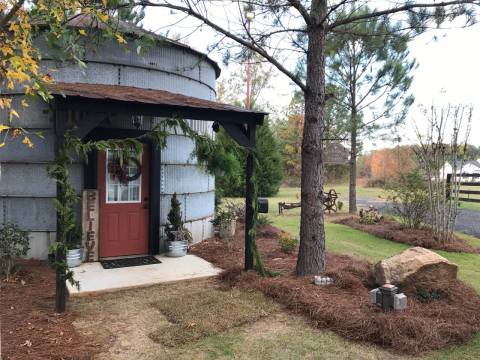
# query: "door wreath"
[[117, 169]]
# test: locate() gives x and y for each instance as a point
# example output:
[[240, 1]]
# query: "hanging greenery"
[[70, 148], [206, 151], [67, 197], [259, 265]]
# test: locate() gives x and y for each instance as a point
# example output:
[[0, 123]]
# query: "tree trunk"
[[311, 256], [352, 195]]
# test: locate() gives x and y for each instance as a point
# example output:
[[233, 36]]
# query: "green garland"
[[67, 197], [73, 146], [259, 265], [206, 150]]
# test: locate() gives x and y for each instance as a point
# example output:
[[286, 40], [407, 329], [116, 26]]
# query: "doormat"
[[127, 262]]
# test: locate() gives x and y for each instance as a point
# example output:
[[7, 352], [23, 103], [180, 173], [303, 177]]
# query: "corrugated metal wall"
[[26, 192], [194, 187]]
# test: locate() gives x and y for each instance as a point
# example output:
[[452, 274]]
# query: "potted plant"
[[14, 244], [178, 236], [225, 221], [74, 246]]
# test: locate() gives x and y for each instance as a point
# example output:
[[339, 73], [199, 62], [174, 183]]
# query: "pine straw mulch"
[[30, 329], [344, 307], [394, 231]]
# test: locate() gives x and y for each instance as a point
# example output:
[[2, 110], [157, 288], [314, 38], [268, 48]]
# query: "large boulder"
[[416, 268]]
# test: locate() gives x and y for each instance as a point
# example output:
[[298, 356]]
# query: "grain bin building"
[[121, 94]]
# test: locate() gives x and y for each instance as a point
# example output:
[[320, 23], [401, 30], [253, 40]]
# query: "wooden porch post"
[[249, 198], [61, 286]]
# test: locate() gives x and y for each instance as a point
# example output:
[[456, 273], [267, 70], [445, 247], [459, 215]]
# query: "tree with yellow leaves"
[[21, 23]]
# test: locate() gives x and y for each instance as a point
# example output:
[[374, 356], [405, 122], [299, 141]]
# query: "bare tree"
[[434, 151], [275, 31]]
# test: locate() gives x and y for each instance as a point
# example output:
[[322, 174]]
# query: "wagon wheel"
[[332, 200], [333, 194], [326, 201]]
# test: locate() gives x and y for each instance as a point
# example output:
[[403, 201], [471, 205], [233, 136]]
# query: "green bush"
[[235, 207], [13, 244], [370, 216], [340, 205], [269, 170], [409, 198], [288, 244], [263, 220], [175, 222], [223, 216], [74, 237]]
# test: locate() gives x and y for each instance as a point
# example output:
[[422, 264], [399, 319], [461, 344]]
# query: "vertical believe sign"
[[90, 224]]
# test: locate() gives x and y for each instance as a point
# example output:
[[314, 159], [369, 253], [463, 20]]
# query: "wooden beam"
[[61, 118], [238, 132], [182, 112], [85, 123], [249, 199], [469, 192], [154, 200], [469, 200]]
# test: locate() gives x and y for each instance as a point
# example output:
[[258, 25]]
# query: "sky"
[[448, 71]]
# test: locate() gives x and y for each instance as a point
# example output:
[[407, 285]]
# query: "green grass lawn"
[[292, 194], [470, 206], [345, 240], [304, 342]]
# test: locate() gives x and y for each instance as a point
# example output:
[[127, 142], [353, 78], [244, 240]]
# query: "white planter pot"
[[74, 257], [227, 230], [177, 248]]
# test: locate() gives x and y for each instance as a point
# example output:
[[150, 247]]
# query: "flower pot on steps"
[[74, 257], [177, 248]]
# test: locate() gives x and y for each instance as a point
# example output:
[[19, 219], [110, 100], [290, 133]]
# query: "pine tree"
[[269, 170], [174, 217], [373, 71]]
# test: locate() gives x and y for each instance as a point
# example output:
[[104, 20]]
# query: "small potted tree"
[[14, 244], [177, 236], [225, 222], [74, 245]]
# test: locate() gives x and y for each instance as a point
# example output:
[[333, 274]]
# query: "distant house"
[[467, 167]]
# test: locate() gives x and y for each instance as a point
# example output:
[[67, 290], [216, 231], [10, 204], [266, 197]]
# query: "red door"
[[123, 205]]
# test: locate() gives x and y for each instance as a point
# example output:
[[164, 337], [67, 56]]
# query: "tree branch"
[[6, 19], [190, 11], [407, 7], [301, 9]]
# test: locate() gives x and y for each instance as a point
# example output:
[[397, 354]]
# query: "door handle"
[[146, 204]]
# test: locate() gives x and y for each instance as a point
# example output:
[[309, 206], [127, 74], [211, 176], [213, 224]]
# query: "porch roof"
[[151, 102]]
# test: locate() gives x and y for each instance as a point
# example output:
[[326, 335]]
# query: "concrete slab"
[[95, 279]]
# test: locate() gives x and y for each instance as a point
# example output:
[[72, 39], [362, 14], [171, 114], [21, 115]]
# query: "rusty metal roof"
[[129, 94]]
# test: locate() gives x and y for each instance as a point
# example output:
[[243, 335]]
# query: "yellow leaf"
[[102, 16], [120, 39], [27, 142], [13, 113], [24, 103], [82, 32], [6, 50], [4, 127], [2, 144]]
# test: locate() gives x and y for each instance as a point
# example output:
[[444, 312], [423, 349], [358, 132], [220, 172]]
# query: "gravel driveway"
[[468, 221]]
